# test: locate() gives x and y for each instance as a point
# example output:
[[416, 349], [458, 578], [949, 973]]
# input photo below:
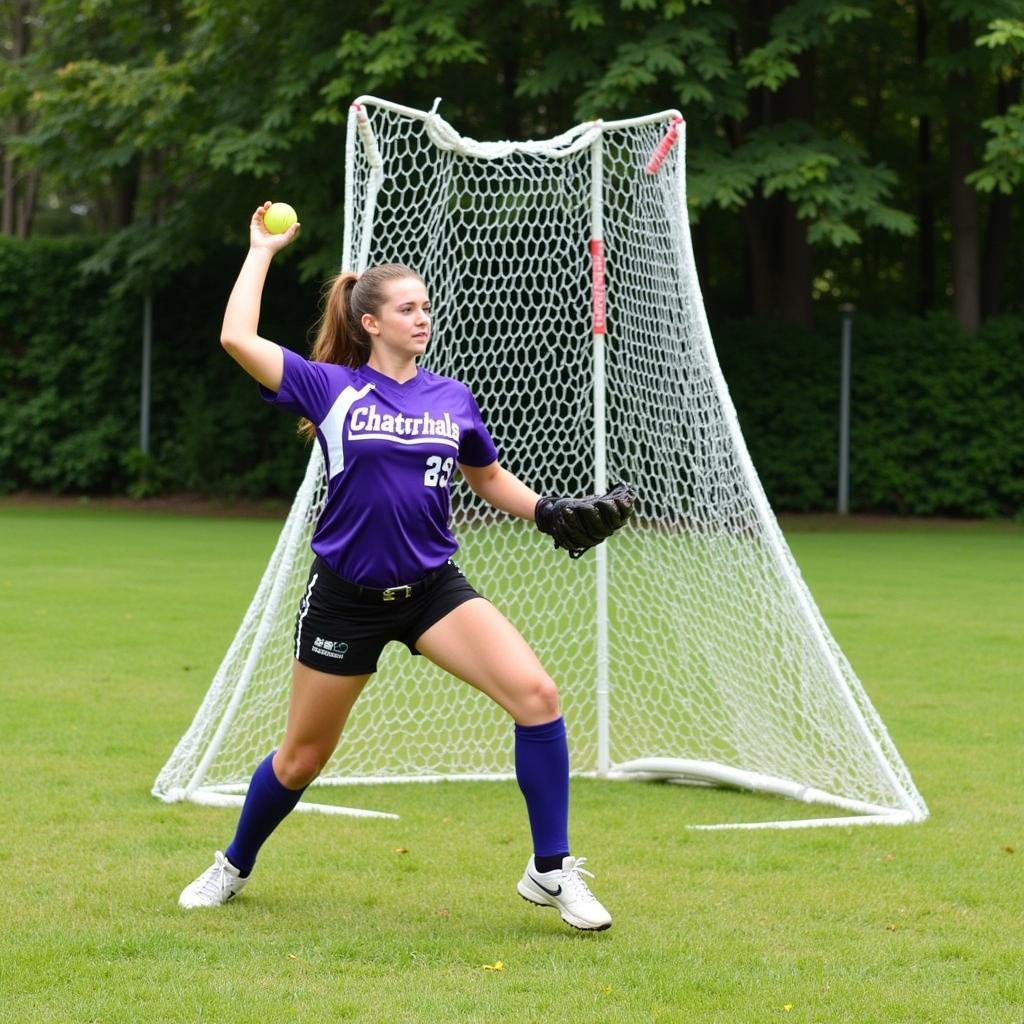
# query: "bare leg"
[[320, 704], [478, 645], [317, 712]]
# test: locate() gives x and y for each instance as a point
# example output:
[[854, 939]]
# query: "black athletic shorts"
[[342, 627]]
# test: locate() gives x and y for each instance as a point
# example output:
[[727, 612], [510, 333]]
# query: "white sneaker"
[[565, 890], [216, 885]]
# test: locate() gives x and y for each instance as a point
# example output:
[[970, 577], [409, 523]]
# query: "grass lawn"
[[112, 623]]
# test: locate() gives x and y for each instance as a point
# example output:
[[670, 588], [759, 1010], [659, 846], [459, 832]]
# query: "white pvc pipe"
[[213, 798], [376, 179], [575, 139], [387, 780], [893, 818], [684, 770], [350, 152], [600, 443]]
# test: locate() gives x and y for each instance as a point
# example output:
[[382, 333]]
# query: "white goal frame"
[[185, 777]]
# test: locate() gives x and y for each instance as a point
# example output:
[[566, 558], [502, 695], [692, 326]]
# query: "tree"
[[1002, 167], [977, 77], [746, 75], [20, 178]]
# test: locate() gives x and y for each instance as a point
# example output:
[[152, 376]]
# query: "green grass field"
[[112, 624]]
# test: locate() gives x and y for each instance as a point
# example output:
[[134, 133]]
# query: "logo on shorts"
[[330, 648]]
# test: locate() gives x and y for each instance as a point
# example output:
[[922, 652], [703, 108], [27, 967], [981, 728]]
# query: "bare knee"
[[538, 701], [296, 767]]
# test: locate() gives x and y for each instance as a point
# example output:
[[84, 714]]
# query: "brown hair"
[[340, 337]]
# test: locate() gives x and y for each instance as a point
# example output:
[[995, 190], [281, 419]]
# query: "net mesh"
[[715, 650]]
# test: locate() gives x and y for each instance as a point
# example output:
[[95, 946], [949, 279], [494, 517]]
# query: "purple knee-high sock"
[[267, 804], [542, 771]]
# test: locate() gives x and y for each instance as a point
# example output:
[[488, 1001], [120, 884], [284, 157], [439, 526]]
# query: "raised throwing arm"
[[260, 358]]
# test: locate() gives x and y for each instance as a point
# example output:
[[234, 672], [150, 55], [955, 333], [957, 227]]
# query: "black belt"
[[373, 594]]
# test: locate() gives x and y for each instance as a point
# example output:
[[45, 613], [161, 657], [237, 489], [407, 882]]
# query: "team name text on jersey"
[[366, 422]]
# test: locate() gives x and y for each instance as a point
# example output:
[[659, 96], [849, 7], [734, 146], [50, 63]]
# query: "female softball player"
[[392, 434]]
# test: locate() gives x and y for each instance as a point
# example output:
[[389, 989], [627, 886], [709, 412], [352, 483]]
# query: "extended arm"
[[260, 358], [498, 487], [576, 524]]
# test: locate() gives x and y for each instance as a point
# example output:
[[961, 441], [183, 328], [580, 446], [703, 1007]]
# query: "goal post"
[[688, 648]]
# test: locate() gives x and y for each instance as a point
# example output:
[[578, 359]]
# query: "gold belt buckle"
[[389, 594]]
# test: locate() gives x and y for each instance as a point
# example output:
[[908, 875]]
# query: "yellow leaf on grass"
[[788, 1007], [499, 966], [401, 849]]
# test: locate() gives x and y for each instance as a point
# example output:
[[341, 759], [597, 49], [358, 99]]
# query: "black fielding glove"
[[578, 524]]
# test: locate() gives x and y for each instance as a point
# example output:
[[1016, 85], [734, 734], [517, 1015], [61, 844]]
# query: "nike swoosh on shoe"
[[550, 892]]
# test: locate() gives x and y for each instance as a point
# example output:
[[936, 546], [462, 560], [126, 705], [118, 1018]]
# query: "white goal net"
[[687, 647]]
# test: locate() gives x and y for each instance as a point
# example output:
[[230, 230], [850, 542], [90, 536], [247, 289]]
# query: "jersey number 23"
[[438, 471]]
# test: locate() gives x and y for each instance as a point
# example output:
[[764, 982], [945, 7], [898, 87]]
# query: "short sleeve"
[[305, 389], [476, 448]]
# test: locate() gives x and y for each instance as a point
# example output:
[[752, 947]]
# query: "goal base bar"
[[708, 773], [678, 771], [218, 798], [895, 818]]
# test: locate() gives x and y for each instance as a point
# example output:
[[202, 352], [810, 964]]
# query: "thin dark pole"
[[847, 311], [147, 363]]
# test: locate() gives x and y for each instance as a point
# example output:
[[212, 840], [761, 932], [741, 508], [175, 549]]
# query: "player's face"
[[402, 324]]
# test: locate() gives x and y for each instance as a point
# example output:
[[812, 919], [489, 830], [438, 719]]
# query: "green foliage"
[[937, 416], [186, 113], [1003, 160], [692, 59], [1004, 153], [827, 180], [66, 402]]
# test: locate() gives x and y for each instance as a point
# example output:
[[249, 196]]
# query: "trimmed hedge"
[[936, 420], [937, 417], [70, 367]]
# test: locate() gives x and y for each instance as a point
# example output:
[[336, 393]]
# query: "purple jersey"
[[390, 452]]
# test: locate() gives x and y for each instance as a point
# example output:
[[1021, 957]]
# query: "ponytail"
[[340, 336]]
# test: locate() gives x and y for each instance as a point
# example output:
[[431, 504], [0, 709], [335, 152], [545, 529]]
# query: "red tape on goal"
[[664, 146], [597, 282]]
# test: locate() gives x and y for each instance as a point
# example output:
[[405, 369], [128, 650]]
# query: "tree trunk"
[[27, 203], [796, 266], [20, 189], [796, 272], [964, 223], [702, 260], [997, 232], [925, 200], [779, 257], [10, 191], [759, 261]]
